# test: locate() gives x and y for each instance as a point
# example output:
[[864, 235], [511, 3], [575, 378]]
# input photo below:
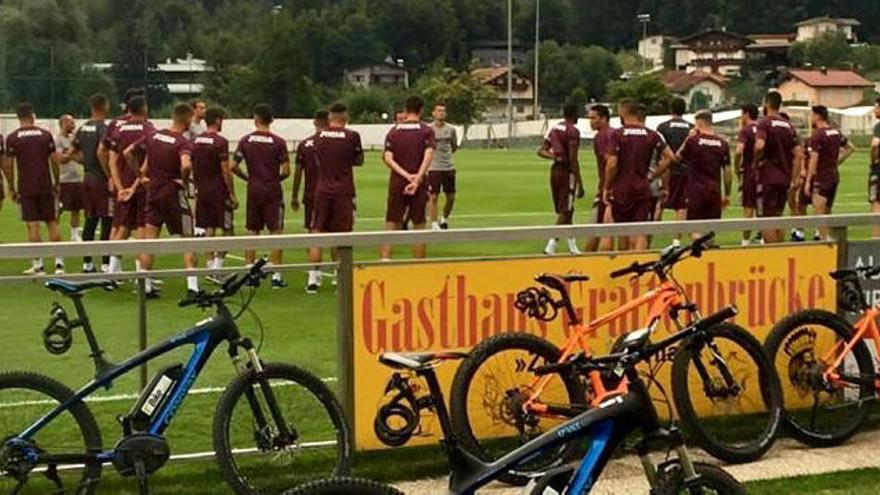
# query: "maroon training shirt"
[[307, 159], [209, 151], [781, 140], [112, 127], [827, 142], [706, 154], [32, 148], [559, 140], [127, 134], [164, 149], [747, 137], [601, 147], [338, 150], [264, 153], [408, 142], [634, 146]]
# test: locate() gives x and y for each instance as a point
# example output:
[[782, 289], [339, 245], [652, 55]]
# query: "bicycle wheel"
[[26, 397], [817, 412], [712, 479], [343, 486], [252, 452], [487, 395], [727, 394]]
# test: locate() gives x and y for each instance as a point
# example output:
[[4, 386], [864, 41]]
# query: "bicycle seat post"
[[82, 321], [565, 302]]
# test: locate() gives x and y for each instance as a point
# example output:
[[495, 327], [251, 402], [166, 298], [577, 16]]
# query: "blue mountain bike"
[[603, 428], [275, 424]]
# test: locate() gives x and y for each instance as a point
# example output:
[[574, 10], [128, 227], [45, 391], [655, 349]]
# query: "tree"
[[699, 101], [567, 67], [831, 49], [466, 98], [367, 106], [746, 90], [648, 89]]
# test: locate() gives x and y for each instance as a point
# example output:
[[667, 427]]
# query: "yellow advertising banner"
[[429, 307]]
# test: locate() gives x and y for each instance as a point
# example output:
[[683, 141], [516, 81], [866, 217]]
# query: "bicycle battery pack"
[[152, 399]]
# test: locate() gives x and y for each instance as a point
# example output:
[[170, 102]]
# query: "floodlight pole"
[[644, 19], [537, 54], [509, 71]]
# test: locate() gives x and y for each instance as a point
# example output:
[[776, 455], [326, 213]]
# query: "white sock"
[[137, 265], [551, 245], [442, 219], [148, 282], [59, 261], [218, 263], [744, 242], [314, 277], [676, 242], [37, 263], [192, 283], [573, 246], [88, 266], [435, 225], [276, 276], [74, 234], [115, 265]]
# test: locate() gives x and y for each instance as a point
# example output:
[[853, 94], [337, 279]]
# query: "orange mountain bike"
[[831, 378], [716, 374]]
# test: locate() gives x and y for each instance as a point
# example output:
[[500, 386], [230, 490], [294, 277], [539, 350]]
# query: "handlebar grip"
[[185, 303], [872, 272], [634, 268], [718, 318], [257, 269], [549, 369], [705, 238]]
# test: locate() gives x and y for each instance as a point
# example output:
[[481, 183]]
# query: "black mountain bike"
[[274, 424], [603, 428]]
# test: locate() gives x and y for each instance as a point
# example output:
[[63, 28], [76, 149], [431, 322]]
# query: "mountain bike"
[[716, 375], [274, 423], [833, 378], [604, 427]]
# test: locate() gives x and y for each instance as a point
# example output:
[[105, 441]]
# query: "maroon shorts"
[[214, 213], [308, 206], [97, 201], [827, 190], [39, 208], [333, 213], [703, 204], [749, 193], [441, 181], [130, 214], [172, 210], [563, 188], [771, 200], [634, 211], [70, 196], [677, 199], [411, 207], [264, 213]]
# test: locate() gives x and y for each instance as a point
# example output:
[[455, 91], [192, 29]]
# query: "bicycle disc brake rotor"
[[15, 458]]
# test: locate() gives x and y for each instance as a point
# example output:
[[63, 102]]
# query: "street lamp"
[[644, 19], [537, 54], [509, 70]]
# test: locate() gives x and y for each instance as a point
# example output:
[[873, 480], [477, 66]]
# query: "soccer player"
[[197, 125], [339, 150], [212, 175], [777, 160], [674, 132], [708, 157], [126, 160], [441, 176], [97, 202], [743, 161], [70, 189], [268, 164], [166, 168], [107, 141], [409, 150], [308, 168], [828, 149], [561, 146], [874, 173], [600, 118], [32, 150], [627, 188]]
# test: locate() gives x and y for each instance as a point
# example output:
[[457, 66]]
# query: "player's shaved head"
[[321, 119], [263, 114], [182, 114], [414, 105], [704, 116], [678, 106], [214, 116], [24, 111], [137, 106], [773, 100], [99, 103], [628, 108], [570, 112], [338, 113], [751, 110], [641, 112]]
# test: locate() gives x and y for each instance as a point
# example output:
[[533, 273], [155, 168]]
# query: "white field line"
[[122, 397]]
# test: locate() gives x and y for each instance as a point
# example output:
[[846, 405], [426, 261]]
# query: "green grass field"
[[496, 188]]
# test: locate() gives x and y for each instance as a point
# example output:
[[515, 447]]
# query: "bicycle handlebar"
[[230, 287], [867, 271], [668, 257]]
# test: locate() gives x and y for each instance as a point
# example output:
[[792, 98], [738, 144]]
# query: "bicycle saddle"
[[415, 361], [70, 287]]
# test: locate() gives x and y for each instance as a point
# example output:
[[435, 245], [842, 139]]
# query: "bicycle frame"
[[661, 301], [865, 328], [204, 337]]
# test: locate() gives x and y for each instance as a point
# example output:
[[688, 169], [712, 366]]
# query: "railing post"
[[840, 236], [345, 331], [142, 326]]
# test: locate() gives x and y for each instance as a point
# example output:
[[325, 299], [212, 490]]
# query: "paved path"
[[788, 458]]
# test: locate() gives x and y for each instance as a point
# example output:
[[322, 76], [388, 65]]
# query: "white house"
[[697, 87], [817, 26], [653, 48]]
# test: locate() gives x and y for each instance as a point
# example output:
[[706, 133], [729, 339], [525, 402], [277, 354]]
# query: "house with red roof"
[[832, 88], [699, 88]]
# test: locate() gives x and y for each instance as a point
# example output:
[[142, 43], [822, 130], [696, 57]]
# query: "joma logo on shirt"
[[832, 132], [164, 138], [88, 128], [333, 134], [709, 142], [680, 125], [781, 123], [131, 127], [260, 139], [409, 127], [635, 132], [561, 127], [29, 133], [204, 140]]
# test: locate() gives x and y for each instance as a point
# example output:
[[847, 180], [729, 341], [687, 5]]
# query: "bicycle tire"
[[464, 376], [671, 481], [81, 414], [343, 486], [234, 392], [771, 394], [776, 341]]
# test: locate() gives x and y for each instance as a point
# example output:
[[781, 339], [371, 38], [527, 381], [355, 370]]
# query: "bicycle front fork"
[[674, 437]]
